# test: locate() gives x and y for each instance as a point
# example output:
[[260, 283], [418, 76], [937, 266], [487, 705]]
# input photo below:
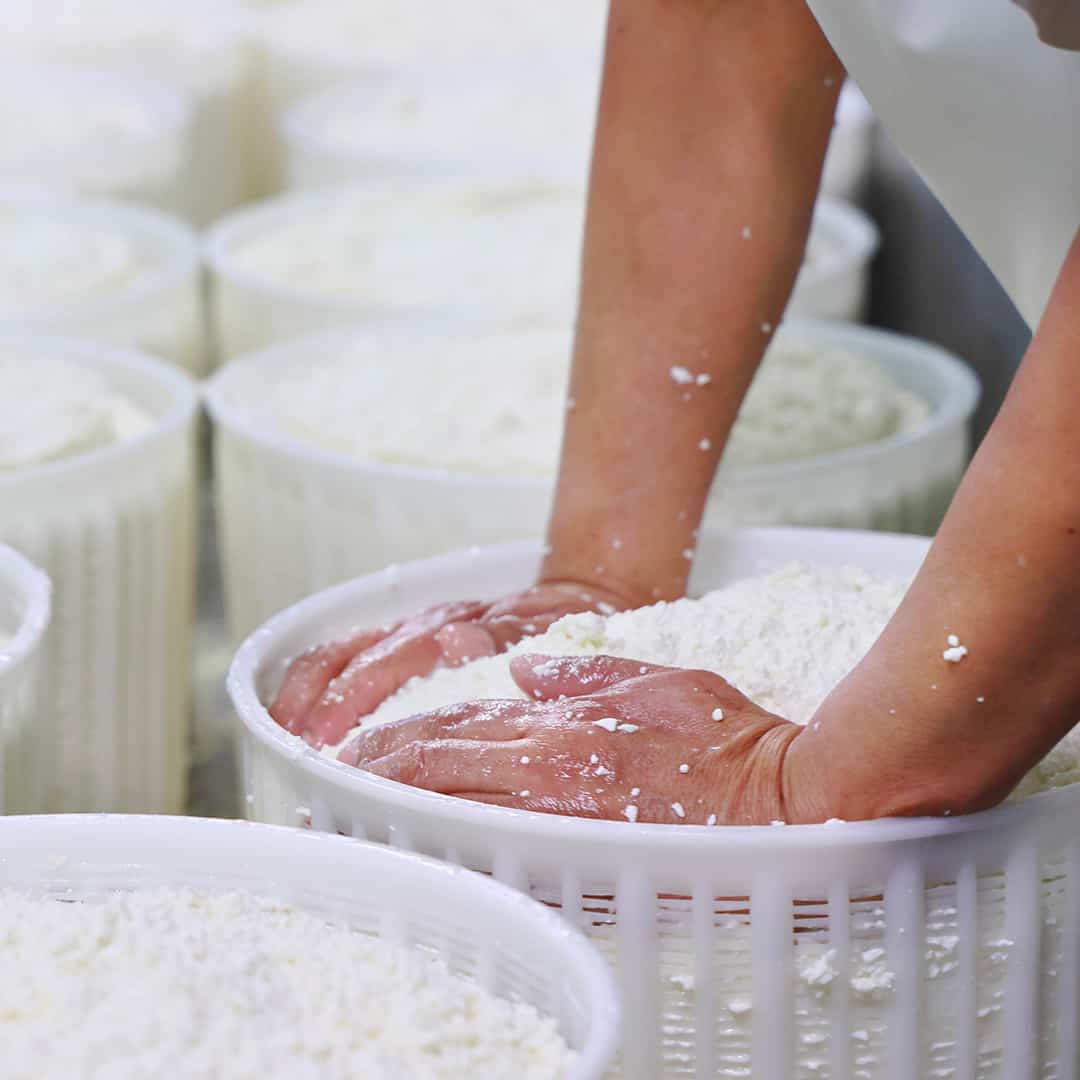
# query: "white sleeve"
[[986, 113]]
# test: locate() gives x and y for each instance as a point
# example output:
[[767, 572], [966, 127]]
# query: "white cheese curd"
[[180, 984], [504, 251], [785, 639], [495, 404], [50, 410], [92, 132]]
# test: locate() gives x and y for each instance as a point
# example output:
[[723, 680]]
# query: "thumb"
[[544, 678]]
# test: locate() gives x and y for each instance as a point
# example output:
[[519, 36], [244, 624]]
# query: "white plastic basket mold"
[[156, 308], [94, 133], [898, 950], [113, 528], [294, 519], [24, 617], [481, 929]]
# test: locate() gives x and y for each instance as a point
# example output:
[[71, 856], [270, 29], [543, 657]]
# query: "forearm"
[[713, 124], [910, 732]]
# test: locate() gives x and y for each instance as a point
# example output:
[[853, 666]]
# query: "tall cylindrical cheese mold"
[[94, 133], [502, 252], [24, 617], [194, 46], [109, 271], [113, 528], [296, 516], [885, 950]]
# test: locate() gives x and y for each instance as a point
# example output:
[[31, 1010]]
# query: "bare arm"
[[714, 120], [909, 732], [713, 125]]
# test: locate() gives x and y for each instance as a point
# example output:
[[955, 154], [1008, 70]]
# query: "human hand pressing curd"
[[855, 698]]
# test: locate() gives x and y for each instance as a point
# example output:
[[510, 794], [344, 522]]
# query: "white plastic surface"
[[295, 519], [519, 265], [847, 163], [512, 946], [113, 528], [889, 950], [94, 133], [157, 309], [24, 618], [195, 46]]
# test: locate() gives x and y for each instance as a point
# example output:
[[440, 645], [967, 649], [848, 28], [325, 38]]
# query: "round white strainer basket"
[[295, 519], [94, 133], [113, 527], [157, 307], [899, 950], [511, 946], [24, 617], [498, 251]]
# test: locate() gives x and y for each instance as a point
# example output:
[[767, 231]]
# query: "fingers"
[[455, 766], [461, 642], [533, 611], [544, 678], [310, 673], [373, 675], [496, 721]]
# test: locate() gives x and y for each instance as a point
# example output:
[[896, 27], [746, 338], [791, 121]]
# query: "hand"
[[329, 689], [599, 738]]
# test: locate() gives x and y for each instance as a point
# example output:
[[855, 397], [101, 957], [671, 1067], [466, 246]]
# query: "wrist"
[[616, 553], [841, 768]]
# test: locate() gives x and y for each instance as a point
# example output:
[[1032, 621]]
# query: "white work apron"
[[987, 113]]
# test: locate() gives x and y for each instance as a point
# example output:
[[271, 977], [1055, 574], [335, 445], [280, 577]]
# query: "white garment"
[[986, 112]]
